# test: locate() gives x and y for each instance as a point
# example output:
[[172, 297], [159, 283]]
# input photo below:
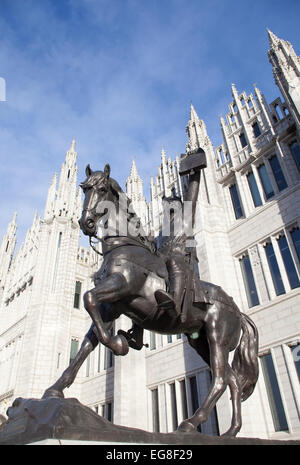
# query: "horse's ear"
[[107, 170], [88, 171]]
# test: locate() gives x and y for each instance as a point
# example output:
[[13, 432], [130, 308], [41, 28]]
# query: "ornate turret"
[[286, 70]]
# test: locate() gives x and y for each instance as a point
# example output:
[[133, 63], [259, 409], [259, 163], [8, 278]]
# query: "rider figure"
[[179, 261]]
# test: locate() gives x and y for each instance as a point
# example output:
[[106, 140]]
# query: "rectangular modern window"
[[194, 396], [275, 273], [169, 338], [256, 129], [274, 396], [265, 180], [155, 410], [295, 149], [237, 206], [243, 140], [277, 172], [295, 234], [74, 349], [183, 399], [77, 294], [249, 282], [254, 189], [288, 262], [174, 406], [296, 356]]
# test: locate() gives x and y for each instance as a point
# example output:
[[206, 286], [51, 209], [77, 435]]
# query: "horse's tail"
[[245, 360]]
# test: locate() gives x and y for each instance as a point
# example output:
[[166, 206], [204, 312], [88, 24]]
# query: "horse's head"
[[98, 187]]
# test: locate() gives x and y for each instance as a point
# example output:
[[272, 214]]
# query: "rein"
[[95, 244]]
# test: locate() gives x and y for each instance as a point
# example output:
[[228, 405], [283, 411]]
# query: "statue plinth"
[[33, 420]]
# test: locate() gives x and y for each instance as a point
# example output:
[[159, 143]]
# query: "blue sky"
[[119, 76]]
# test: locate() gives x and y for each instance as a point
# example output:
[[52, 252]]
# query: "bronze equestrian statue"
[[158, 289]]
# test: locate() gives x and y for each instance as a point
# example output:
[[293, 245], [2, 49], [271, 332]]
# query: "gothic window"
[[277, 172], [236, 202], [254, 189], [108, 358], [194, 396], [250, 105], [155, 410], [288, 262], [256, 129], [77, 294], [296, 356], [273, 392], [274, 269], [243, 140], [249, 283], [183, 399], [152, 341], [295, 234], [265, 180], [295, 149], [74, 349], [173, 406]]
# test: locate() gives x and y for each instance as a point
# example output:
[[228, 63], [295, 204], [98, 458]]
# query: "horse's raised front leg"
[[113, 288], [90, 341]]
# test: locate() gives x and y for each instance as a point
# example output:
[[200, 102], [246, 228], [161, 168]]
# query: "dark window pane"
[[254, 190], [77, 294], [108, 411], [274, 396], [249, 282], [243, 140], [256, 130], [183, 399], [155, 411], [238, 211], [174, 406], [194, 397], [74, 349], [273, 265], [295, 149], [288, 262], [296, 240], [152, 341], [266, 183], [296, 356], [278, 174]]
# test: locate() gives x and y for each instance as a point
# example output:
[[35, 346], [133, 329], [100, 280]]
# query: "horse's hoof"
[[119, 345], [186, 427], [52, 393]]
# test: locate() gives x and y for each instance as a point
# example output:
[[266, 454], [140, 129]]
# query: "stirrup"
[[131, 341]]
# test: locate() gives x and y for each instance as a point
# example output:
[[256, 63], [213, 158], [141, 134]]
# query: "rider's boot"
[[172, 302], [134, 337]]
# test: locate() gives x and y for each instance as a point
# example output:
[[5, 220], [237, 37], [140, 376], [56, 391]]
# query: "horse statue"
[[140, 280]]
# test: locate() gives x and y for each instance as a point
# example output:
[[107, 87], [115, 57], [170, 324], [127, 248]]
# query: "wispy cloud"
[[118, 76]]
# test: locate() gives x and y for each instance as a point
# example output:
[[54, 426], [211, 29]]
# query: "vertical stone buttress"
[[48, 319]]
